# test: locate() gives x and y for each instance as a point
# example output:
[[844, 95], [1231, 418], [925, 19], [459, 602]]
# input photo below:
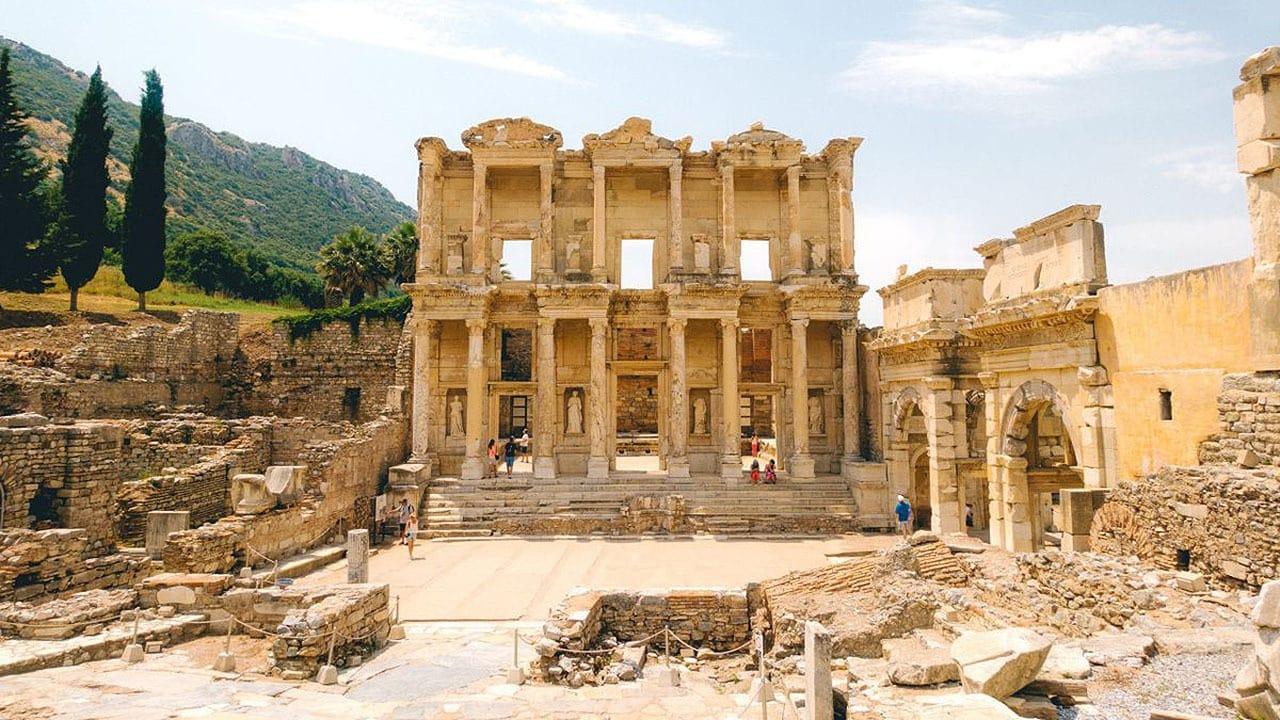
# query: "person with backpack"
[[509, 453], [903, 512]]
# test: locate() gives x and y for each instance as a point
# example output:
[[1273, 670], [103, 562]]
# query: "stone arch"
[[906, 401], [1026, 401]]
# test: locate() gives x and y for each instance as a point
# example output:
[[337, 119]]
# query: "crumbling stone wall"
[[356, 617], [196, 349], [42, 564], [1249, 418]]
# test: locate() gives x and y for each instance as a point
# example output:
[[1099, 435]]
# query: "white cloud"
[[414, 27], [1206, 167], [1000, 64], [950, 15], [582, 17]]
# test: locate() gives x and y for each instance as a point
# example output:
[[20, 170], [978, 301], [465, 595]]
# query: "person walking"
[[411, 532], [491, 459], [509, 453], [755, 445], [403, 511], [903, 511], [524, 444]]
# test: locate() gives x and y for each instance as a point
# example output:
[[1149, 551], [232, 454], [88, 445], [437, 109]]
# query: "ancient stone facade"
[[580, 213]]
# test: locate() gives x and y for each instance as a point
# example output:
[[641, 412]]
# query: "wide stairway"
[[576, 505]]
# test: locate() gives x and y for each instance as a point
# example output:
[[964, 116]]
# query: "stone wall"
[[44, 564], [196, 349], [356, 617], [57, 394], [1248, 420]]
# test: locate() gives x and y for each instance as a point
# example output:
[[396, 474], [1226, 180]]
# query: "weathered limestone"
[[1257, 129], [473, 466], [358, 556], [731, 454], [159, 524], [544, 461], [818, 700], [999, 662], [801, 462], [598, 462], [678, 461]]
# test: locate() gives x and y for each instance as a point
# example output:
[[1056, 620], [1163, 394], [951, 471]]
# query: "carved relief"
[[700, 417], [513, 133], [817, 418]]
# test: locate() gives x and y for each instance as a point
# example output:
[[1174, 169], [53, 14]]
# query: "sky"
[[978, 116]]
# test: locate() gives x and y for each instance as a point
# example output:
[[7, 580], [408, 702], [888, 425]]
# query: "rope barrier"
[[633, 643]]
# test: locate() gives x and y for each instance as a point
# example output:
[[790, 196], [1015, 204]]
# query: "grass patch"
[[302, 326]]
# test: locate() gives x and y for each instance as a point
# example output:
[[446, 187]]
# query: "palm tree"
[[401, 249], [354, 265]]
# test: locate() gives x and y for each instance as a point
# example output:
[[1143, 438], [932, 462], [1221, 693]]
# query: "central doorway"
[[636, 423]]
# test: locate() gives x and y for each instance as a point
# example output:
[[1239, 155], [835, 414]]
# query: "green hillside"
[[279, 200]]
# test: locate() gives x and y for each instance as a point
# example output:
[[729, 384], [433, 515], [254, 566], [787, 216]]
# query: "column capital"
[[939, 383], [476, 324], [730, 323], [793, 171], [849, 327], [799, 323], [677, 323], [478, 167], [989, 380], [597, 170], [546, 324], [676, 168], [598, 324]]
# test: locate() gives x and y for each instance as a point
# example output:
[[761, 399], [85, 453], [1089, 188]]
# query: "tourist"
[[903, 511], [755, 472], [755, 445], [411, 532], [491, 464], [968, 516], [524, 444], [509, 453], [771, 472], [403, 511]]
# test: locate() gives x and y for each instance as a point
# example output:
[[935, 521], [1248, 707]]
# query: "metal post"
[[333, 637]]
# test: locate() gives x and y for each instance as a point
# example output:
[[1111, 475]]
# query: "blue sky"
[[978, 116]]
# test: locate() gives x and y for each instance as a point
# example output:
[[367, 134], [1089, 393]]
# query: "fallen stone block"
[[1119, 649], [1065, 662], [963, 707], [912, 664], [999, 662]]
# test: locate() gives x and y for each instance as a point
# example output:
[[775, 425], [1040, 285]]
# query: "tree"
[[81, 231], [143, 248], [207, 260], [401, 249], [353, 265], [23, 266]]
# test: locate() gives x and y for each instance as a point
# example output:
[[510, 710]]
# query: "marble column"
[[850, 396], [731, 426], [544, 426], [599, 271], [678, 460], [840, 207], [544, 260], [473, 465], [429, 210], [480, 220], [729, 253], [795, 246], [801, 462], [423, 331], [675, 225], [597, 403]]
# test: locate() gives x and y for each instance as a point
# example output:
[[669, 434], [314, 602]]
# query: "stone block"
[[999, 662], [1266, 611], [159, 524], [358, 556], [817, 671], [1190, 582]]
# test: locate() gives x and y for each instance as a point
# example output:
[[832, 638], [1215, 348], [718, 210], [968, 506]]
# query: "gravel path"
[[1186, 683]]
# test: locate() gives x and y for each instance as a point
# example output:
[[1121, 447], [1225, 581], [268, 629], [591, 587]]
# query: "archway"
[[1038, 432], [919, 495]]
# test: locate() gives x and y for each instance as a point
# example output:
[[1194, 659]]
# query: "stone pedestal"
[[225, 662], [409, 481], [358, 556], [159, 524], [818, 695]]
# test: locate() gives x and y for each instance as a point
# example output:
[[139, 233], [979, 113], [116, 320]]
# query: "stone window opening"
[[754, 260], [637, 264], [1166, 404], [517, 354], [1184, 559], [351, 403], [516, 263], [43, 508]]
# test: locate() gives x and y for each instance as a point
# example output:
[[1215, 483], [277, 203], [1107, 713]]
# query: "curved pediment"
[[634, 133], [758, 137], [512, 133]]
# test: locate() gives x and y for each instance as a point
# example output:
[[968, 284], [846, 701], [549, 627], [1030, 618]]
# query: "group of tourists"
[[516, 447], [770, 468]]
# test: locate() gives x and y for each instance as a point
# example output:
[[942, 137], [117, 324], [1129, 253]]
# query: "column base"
[[801, 466], [946, 520], [544, 468], [731, 468], [678, 467], [472, 469], [597, 468], [849, 466]]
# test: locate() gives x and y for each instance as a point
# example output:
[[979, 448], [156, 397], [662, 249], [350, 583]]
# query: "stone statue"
[[701, 255], [815, 415], [456, 427], [818, 256], [573, 414], [699, 416], [280, 485]]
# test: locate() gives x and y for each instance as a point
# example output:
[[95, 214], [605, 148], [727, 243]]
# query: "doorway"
[[636, 423], [920, 492]]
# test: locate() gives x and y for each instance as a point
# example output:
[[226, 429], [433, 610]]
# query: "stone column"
[[675, 226], [944, 496], [995, 488], [1019, 530], [731, 428], [1257, 123], [544, 261], [818, 695], [678, 461], [597, 419], [473, 465], [795, 247], [429, 207], [599, 272], [801, 462], [840, 207], [729, 253], [358, 556], [850, 396], [421, 426], [480, 220], [544, 427]]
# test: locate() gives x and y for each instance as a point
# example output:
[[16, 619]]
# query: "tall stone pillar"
[[423, 331], [729, 253], [599, 273], [995, 485], [675, 225], [795, 246], [544, 427], [480, 220], [544, 257], [944, 492], [1257, 121], [840, 206], [473, 464], [850, 396], [598, 400], [731, 426], [430, 205], [678, 460], [801, 462]]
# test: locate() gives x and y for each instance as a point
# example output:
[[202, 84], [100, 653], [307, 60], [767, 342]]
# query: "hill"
[[279, 200]]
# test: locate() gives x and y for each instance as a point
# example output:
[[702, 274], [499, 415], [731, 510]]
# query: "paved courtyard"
[[522, 578]]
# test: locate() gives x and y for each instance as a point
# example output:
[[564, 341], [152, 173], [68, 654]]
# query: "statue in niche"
[[815, 415], [701, 254], [573, 414], [699, 416], [453, 256], [573, 255], [818, 256], [456, 427]]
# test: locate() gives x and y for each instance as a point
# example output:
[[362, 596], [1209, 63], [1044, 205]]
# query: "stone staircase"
[[523, 505]]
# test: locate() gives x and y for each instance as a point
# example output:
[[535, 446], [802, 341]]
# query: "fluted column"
[[598, 198], [678, 460], [675, 205], [840, 207], [544, 426], [795, 247], [480, 220], [429, 209], [473, 465], [729, 253], [731, 427], [422, 340], [545, 256], [801, 462], [850, 395], [597, 401]]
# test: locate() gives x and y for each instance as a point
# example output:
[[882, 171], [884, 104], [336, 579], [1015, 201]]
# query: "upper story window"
[[637, 264], [754, 260], [517, 260]]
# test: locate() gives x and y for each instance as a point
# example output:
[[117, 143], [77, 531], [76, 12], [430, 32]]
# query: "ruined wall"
[[1248, 421], [1179, 333], [193, 350], [358, 616], [44, 564]]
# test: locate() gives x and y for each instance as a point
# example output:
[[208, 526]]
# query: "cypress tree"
[[82, 227], [22, 266], [144, 211]]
